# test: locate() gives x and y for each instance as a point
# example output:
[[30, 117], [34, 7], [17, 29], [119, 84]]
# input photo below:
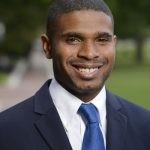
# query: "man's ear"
[[115, 39], [46, 46]]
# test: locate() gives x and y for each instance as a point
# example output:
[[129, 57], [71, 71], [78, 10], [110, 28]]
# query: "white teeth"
[[87, 70]]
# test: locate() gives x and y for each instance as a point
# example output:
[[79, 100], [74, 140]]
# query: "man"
[[81, 42]]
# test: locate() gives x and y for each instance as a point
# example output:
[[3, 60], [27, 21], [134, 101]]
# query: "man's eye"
[[102, 40], [73, 40]]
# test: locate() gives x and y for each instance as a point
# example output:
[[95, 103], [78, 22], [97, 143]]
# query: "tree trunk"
[[139, 49]]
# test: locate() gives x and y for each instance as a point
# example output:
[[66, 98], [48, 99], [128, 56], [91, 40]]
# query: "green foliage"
[[23, 20], [131, 17]]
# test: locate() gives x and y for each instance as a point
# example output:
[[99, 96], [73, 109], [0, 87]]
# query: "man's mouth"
[[88, 70]]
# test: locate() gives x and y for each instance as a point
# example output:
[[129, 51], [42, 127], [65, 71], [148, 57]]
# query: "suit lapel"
[[116, 124], [49, 125], [51, 128]]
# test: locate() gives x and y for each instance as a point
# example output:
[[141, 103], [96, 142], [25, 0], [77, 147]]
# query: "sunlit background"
[[23, 67]]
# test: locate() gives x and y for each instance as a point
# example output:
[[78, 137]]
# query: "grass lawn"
[[132, 83], [3, 77]]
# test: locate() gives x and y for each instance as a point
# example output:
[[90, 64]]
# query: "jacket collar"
[[116, 123], [49, 125]]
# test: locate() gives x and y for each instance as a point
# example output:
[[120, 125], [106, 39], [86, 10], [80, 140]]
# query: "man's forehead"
[[84, 20], [86, 12]]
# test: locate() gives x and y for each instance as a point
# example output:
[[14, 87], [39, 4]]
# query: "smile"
[[88, 70]]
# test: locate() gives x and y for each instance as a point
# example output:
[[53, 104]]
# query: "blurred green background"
[[22, 21]]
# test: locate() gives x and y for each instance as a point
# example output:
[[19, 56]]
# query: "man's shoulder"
[[131, 107], [17, 121], [132, 111], [19, 111], [27, 106]]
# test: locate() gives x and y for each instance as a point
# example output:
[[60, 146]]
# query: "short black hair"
[[59, 7]]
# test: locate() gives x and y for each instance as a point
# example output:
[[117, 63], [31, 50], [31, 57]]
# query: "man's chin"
[[86, 93]]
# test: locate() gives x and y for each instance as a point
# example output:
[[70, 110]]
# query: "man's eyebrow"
[[71, 34], [104, 34]]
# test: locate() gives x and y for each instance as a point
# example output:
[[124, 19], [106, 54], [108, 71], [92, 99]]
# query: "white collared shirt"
[[67, 106]]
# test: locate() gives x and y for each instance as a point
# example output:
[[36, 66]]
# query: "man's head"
[[82, 46], [60, 7]]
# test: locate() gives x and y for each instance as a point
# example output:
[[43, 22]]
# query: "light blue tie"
[[93, 139]]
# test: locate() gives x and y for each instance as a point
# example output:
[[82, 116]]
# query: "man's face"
[[83, 52]]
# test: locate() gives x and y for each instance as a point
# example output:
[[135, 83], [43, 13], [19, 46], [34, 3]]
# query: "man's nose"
[[88, 50]]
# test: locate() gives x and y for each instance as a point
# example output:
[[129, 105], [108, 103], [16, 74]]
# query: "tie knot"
[[89, 113]]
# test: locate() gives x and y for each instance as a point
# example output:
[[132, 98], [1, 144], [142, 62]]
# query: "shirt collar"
[[68, 105]]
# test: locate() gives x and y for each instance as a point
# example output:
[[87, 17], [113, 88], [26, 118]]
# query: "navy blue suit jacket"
[[35, 125]]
